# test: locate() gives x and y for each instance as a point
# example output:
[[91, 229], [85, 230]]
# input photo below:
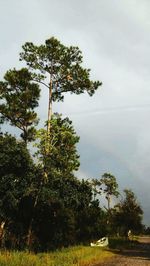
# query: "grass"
[[75, 256]]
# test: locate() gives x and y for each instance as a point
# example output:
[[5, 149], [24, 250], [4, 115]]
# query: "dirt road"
[[140, 256]]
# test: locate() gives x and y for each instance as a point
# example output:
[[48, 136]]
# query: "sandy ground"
[[140, 256]]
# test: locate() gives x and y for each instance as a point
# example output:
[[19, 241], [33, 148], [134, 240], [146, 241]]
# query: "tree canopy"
[[19, 97], [59, 68], [110, 186], [128, 215]]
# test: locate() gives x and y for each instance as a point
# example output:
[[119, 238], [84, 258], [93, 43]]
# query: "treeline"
[[43, 205], [46, 212]]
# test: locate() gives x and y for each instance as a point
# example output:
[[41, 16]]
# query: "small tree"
[[19, 96], [128, 213], [59, 69], [96, 187], [110, 187]]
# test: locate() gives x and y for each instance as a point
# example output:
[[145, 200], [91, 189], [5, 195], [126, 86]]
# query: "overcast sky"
[[114, 37]]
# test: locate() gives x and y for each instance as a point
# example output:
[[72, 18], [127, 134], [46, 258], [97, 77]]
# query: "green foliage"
[[96, 187], [91, 223], [58, 67], [63, 64], [53, 206], [61, 201], [19, 97], [122, 243], [17, 172], [110, 183], [58, 152], [15, 167], [128, 214], [110, 186], [60, 207]]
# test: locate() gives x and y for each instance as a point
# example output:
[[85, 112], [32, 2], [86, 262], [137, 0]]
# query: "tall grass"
[[76, 256]]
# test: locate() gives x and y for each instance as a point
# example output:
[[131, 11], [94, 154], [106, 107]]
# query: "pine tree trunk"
[[49, 108], [108, 199]]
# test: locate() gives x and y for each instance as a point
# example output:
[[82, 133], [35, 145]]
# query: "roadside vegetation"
[[75, 256]]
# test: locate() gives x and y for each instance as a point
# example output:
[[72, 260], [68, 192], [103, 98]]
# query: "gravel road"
[[140, 256]]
